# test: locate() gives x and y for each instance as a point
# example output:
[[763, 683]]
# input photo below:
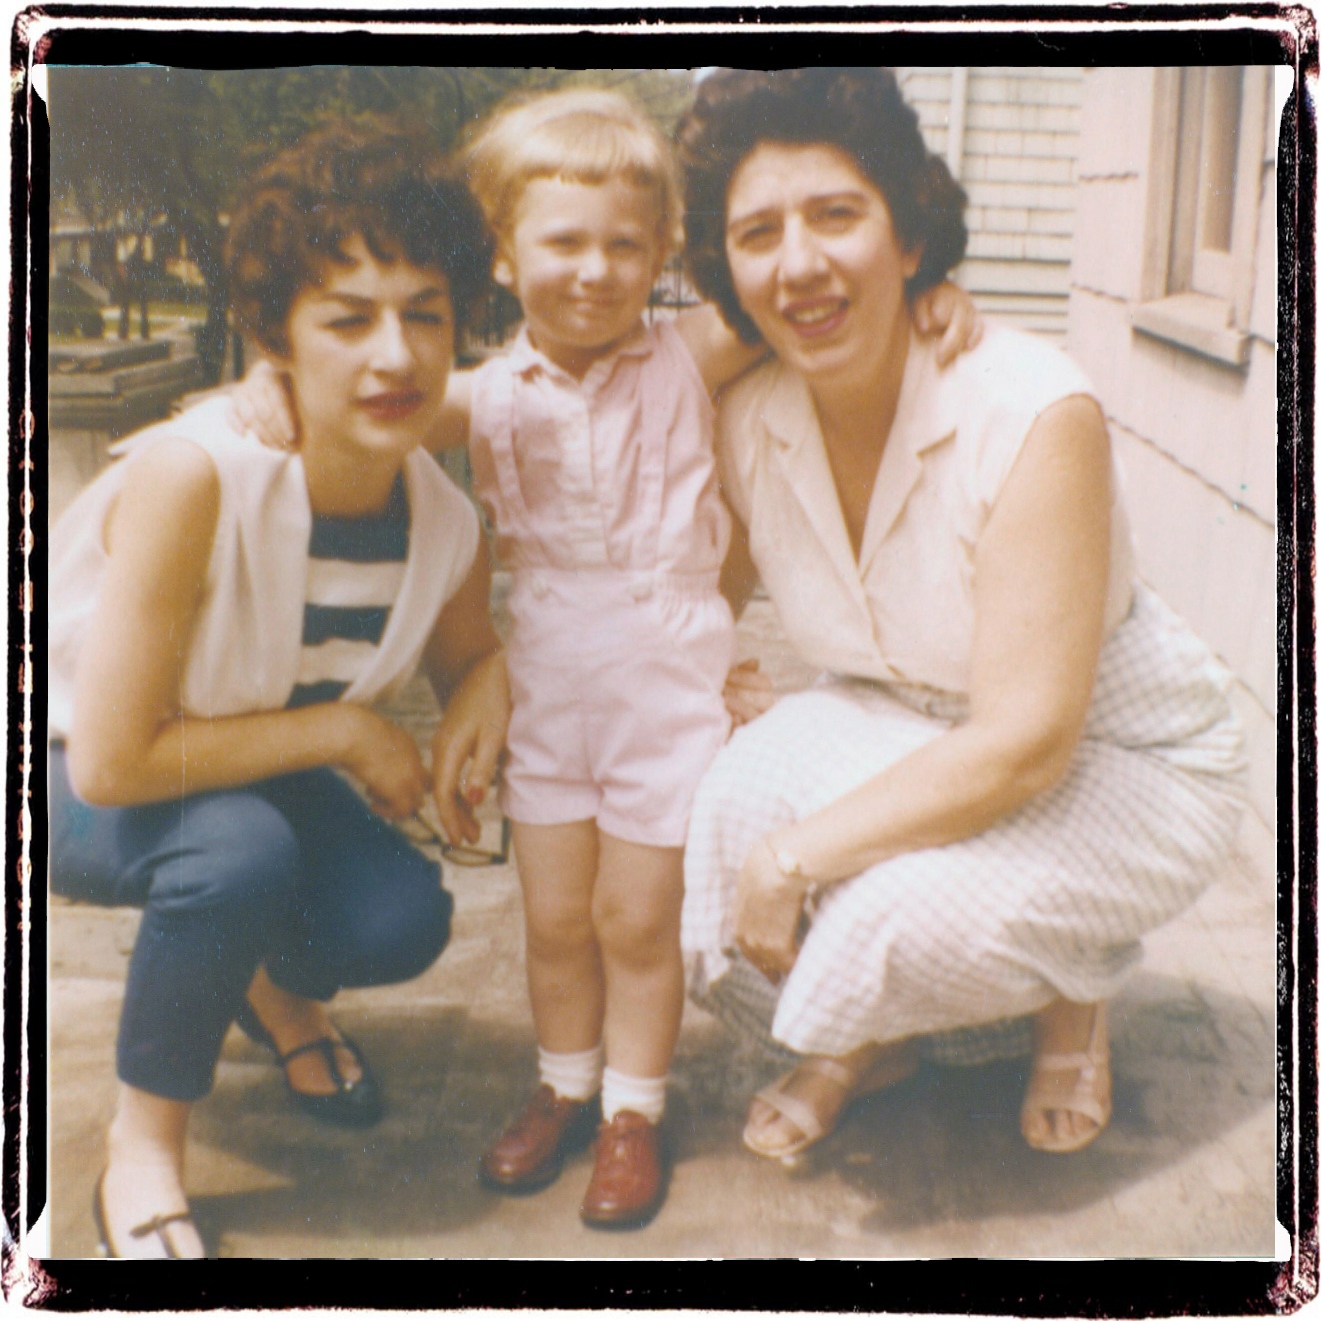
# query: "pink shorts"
[[617, 681]]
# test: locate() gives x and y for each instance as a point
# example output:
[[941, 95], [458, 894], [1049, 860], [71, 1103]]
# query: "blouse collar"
[[924, 417]]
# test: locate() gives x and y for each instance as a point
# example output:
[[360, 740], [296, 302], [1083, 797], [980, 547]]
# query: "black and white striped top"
[[354, 571]]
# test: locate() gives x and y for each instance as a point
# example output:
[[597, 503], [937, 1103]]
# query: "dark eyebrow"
[[842, 194], [357, 301], [839, 195]]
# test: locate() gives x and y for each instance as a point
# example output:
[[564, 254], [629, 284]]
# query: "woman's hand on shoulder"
[[384, 758], [260, 405], [748, 692], [949, 312]]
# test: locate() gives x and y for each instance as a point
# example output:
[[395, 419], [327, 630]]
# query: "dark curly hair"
[[378, 178], [862, 112]]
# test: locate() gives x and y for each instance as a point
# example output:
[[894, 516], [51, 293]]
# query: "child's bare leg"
[[557, 869], [635, 909]]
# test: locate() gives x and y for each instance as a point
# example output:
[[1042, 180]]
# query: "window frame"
[[1196, 297]]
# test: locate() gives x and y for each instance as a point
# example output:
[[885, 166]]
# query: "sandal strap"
[[156, 1225], [798, 1113], [325, 1047], [826, 1067], [1087, 1095]]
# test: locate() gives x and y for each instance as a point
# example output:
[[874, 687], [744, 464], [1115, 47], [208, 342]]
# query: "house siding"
[[1017, 158], [1195, 437]]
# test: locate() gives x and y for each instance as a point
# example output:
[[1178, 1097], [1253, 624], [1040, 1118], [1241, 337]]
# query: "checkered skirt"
[[1051, 900]]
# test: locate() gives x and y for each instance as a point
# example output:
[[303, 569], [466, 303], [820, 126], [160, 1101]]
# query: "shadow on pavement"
[[945, 1144], [941, 1147], [449, 1086]]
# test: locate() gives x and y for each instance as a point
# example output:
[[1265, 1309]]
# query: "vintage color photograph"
[[662, 663]]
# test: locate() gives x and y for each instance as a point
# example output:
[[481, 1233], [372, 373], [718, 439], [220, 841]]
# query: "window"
[[1209, 143]]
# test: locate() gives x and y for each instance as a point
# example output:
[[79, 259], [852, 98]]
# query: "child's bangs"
[[592, 149]]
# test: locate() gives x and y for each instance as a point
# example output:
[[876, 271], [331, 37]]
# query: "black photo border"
[[749, 36]]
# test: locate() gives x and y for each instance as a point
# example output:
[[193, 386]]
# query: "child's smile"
[[582, 259]]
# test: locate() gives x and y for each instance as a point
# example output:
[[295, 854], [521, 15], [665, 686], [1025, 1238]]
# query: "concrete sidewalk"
[[933, 1168]]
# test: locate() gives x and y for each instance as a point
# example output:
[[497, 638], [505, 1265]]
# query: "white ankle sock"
[[621, 1092], [575, 1075]]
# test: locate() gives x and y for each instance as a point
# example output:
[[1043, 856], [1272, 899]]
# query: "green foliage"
[[130, 144], [133, 143]]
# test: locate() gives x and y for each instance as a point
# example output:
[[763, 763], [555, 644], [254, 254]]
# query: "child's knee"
[[636, 933], [555, 930]]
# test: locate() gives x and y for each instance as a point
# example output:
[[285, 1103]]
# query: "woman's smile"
[[816, 317]]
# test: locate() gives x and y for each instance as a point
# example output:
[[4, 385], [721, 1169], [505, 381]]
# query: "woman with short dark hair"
[[221, 617], [1019, 761]]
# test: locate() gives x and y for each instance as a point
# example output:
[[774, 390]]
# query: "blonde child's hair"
[[582, 135]]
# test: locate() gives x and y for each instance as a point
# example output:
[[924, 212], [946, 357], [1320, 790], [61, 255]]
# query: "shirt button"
[[640, 590]]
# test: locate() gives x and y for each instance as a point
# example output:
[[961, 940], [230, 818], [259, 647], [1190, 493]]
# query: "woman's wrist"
[[346, 723], [784, 847], [808, 851]]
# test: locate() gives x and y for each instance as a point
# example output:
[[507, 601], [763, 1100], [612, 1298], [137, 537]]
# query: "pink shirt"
[[614, 471]]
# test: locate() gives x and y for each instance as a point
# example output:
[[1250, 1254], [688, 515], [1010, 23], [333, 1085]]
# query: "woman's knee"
[[406, 935], [753, 772], [233, 852]]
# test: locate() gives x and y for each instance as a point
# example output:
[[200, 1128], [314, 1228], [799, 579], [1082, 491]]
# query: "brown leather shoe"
[[529, 1153], [628, 1183]]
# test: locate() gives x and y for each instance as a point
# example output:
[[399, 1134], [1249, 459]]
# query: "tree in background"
[[131, 144]]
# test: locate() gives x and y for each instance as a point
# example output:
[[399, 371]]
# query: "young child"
[[592, 449], [591, 446]]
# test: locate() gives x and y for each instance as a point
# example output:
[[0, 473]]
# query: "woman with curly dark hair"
[[1019, 761], [221, 617]]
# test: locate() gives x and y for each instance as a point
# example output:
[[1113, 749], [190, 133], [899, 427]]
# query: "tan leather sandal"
[[1086, 1093], [158, 1225], [892, 1068]]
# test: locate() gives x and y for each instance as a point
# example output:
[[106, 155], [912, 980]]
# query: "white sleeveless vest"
[[244, 653]]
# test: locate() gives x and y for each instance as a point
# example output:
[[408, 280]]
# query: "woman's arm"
[[129, 745], [718, 352], [466, 666], [721, 356], [1041, 575], [748, 693], [261, 404]]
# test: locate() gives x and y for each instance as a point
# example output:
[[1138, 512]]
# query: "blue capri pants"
[[295, 873]]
